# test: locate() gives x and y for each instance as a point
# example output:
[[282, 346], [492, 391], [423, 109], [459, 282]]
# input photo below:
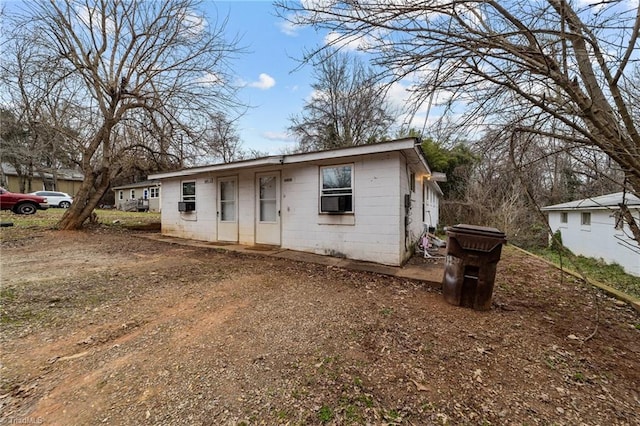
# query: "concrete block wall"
[[370, 233], [374, 232]]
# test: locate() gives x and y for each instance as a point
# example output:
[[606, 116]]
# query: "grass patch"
[[596, 269], [44, 220], [386, 311], [325, 414]]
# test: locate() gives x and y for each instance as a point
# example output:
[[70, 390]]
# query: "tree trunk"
[[85, 201], [628, 217]]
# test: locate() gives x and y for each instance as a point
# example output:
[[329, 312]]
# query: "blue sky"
[[272, 81]]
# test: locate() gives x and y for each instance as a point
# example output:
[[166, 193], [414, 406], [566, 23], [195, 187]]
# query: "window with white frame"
[[154, 192], [188, 191], [145, 194], [585, 219], [121, 195], [564, 217], [336, 189], [132, 194]]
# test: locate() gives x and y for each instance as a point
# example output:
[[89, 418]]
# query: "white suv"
[[56, 199]]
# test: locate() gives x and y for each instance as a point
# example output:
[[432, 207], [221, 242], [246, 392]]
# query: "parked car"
[[22, 203], [56, 199]]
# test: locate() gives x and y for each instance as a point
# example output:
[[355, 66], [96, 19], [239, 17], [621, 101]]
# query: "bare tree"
[[346, 108], [221, 140], [31, 105], [554, 68], [123, 63]]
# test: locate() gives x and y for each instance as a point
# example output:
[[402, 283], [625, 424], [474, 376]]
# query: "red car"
[[22, 203]]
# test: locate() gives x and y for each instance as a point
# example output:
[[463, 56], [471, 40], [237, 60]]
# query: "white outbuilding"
[[368, 202], [593, 227]]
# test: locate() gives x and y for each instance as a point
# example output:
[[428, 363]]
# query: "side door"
[[268, 208], [228, 209]]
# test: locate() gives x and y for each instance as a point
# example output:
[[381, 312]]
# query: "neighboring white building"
[[592, 227], [140, 196], [366, 202]]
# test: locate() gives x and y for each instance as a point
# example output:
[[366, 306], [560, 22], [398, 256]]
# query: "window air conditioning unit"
[[333, 204], [186, 206]]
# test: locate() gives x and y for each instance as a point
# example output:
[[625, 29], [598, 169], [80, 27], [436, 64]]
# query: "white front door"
[[228, 209], [268, 208]]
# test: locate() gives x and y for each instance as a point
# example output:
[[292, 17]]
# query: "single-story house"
[[64, 180], [139, 196], [593, 227], [367, 202]]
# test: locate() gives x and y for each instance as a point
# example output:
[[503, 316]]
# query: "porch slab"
[[430, 273]]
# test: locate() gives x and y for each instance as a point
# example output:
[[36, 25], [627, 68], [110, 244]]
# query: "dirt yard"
[[105, 327]]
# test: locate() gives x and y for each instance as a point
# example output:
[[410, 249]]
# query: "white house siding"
[[197, 225], [431, 204], [371, 233], [375, 232], [125, 192], [600, 239], [414, 215]]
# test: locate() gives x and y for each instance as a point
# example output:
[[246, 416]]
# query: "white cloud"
[[92, 17], [193, 24], [210, 78], [265, 82], [288, 28], [278, 136], [398, 95], [340, 41]]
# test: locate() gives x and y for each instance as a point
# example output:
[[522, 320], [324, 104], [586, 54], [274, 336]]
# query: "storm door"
[[268, 208], [228, 209]]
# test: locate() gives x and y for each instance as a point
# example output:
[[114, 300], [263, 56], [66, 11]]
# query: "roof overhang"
[[407, 145], [135, 185], [266, 161], [602, 202]]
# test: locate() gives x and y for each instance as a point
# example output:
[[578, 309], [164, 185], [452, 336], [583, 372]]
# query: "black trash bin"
[[473, 253]]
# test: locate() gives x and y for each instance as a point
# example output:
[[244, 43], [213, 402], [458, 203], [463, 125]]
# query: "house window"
[[154, 192], [336, 189], [189, 191], [586, 219], [145, 194], [133, 194], [121, 195], [564, 217], [412, 182]]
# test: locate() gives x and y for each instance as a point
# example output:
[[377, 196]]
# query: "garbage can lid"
[[477, 230]]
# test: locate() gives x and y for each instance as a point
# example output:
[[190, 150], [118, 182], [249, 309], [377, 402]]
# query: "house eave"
[[602, 202], [335, 154], [432, 177], [136, 185], [585, 208], [265, 161], [377, 148]]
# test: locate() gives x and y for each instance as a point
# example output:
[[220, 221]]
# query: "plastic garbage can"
[[473, 253]]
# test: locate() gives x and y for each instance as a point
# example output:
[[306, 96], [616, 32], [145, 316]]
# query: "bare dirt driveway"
[[102, 327]]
